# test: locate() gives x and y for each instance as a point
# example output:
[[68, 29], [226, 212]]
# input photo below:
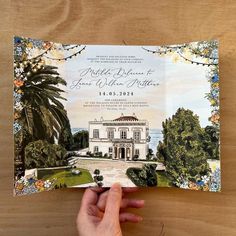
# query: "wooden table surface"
[[137, 22]]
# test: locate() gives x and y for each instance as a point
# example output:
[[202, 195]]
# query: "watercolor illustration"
[[92, 115]]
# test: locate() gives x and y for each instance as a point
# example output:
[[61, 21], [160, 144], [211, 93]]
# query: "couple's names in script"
[[110, 77]]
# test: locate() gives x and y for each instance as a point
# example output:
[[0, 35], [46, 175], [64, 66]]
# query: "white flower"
[[23, 180], [205, 179], [47, 184], [184, 184], [18, 106], [19, 70]]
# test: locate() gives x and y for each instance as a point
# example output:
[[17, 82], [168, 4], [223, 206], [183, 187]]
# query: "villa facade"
[[123, 138]]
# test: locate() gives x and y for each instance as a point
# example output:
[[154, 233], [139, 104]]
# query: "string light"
[[68, 57], [177, 50], [195, 62], [72, 47]]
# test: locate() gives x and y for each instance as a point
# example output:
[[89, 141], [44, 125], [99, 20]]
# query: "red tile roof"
[[126, 118]]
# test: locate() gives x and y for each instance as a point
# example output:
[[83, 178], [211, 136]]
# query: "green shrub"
[[98, 178], [41, 154], [145, 176], [105, 155], [182, 150], [98, 154], [96, 172], [80, 140]]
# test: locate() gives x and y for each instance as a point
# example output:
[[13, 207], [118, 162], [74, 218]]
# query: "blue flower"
[[17, 96], [214, 93], [200, 183], [17, 40], [36, 43], [16, 127], [215, 79], [31, 180], [214, 187]]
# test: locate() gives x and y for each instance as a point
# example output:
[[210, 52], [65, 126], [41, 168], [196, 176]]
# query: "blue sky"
[[180, 85]]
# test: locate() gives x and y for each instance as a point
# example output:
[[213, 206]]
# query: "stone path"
[[112, 170]]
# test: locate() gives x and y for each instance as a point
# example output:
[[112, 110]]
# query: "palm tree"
[[43, 116]]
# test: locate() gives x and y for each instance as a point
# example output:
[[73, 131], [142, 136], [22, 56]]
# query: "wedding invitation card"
[[92, 115]]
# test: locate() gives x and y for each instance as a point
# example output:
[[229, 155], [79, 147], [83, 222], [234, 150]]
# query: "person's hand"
[[102, 211]]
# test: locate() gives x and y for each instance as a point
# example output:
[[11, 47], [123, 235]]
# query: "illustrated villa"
[[123, 138]]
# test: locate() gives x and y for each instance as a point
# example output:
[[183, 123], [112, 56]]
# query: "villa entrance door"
[[122, 153]]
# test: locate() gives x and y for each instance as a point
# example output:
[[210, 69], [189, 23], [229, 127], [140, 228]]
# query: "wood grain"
[[136, 22]]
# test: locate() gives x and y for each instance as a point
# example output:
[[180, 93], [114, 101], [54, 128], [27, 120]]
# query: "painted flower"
[[47, 45], [39, 184], [16, 115], [205, 179], [19, 70], [17, 96], [19, 186], [31, 180], [200, 183], [215, 85], [206, 51], [18, 106], [29, 189], [215, 78], [216, 176], [214, 187], [215, 93], [215, 118], [18, 82], [213, 102], [36, 43], [184, 185], [29, 45], [47, 184], [16, 127], [193, 186], [28, 51], [18, 51], [205, 188], [20, 91], [17, 40]]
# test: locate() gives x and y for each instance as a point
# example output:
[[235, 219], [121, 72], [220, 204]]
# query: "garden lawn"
[[64, 176], [162, 179]]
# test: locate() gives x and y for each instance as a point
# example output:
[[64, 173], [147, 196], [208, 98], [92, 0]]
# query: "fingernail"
[[116, 187]]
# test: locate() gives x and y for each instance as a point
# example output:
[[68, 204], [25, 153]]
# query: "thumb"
[[113, 202]]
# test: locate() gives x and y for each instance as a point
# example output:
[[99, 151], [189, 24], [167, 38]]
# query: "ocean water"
[[155, 134]]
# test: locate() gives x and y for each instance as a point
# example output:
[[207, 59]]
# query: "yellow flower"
[[19, 186], [213, 102], [205, 51], [193, 186], [205, 188], [215, 85], [29, 45], [20, 91]]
